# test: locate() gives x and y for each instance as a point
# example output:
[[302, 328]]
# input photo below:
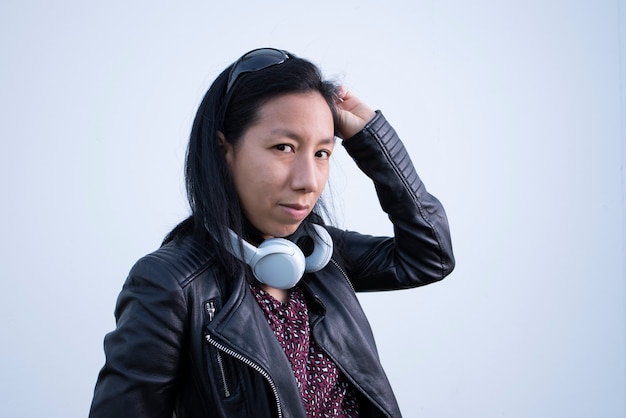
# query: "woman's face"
[[280, 165]]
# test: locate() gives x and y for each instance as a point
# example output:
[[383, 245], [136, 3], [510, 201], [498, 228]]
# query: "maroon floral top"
[[324, 390]]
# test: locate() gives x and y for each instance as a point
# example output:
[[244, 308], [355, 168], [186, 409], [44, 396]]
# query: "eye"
[[284, 148], [323, 154]]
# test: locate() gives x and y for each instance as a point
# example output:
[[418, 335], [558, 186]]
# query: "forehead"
[[305, 113], [296, 105]]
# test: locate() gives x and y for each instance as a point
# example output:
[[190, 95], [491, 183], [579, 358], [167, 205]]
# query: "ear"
[[226, 147]]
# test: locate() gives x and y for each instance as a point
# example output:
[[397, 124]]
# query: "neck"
[[280, 295]]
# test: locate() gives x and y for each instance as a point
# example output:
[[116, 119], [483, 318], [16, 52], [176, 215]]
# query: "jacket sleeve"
[[421, 250], [143, 352]]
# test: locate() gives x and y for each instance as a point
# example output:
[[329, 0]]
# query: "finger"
[[342, 93]]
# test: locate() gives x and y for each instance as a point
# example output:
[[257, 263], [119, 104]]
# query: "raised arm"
[[421, 250]]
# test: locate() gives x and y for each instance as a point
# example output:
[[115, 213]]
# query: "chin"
[[283, 231]]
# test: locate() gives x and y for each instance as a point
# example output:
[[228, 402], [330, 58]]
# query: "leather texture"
[[191, 340]]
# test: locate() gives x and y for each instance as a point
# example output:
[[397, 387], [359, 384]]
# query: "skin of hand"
[[354, 114]]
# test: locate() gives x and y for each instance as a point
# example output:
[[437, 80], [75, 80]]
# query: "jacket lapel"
[[341, 328], [242, 326]]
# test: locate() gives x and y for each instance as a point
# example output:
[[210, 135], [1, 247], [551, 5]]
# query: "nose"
[[307, 175]]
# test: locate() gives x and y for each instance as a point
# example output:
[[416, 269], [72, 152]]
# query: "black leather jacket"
[[195, 342]]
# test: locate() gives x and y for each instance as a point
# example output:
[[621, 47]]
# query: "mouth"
[[296, 211]]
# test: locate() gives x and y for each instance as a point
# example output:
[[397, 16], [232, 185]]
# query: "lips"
[[295, 210]]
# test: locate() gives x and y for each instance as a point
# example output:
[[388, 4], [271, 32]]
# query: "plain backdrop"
[[513, 112]]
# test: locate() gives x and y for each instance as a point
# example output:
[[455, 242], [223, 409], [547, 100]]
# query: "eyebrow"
[[290, 134]]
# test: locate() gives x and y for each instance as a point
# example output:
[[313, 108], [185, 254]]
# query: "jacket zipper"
[[345, 275], [210, 308]]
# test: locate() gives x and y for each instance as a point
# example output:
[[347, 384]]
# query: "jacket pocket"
[[218, 364]]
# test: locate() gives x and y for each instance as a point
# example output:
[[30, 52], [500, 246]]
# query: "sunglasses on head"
[[255, 60]]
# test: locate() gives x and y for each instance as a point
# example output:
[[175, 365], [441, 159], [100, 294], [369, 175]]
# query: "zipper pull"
[[210, 309]]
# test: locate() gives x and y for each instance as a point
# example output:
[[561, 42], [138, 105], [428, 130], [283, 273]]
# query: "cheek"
[[323, 175], [254, 182], [326, 171]]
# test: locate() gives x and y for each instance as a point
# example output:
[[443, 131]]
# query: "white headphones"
[[280, 263]]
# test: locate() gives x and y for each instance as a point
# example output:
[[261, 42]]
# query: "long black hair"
[[211, 192]]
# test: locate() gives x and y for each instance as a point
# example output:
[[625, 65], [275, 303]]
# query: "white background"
[[513, 113]]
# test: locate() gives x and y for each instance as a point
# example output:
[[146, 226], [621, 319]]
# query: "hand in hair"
[[354, 114]]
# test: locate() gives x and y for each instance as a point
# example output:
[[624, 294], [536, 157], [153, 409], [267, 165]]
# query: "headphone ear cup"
[[322, 250], [279, 263]]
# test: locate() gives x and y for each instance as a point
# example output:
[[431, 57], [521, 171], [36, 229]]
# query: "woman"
[[210, 325]]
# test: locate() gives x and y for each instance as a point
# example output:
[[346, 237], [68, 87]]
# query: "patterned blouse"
[[324, 390]]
